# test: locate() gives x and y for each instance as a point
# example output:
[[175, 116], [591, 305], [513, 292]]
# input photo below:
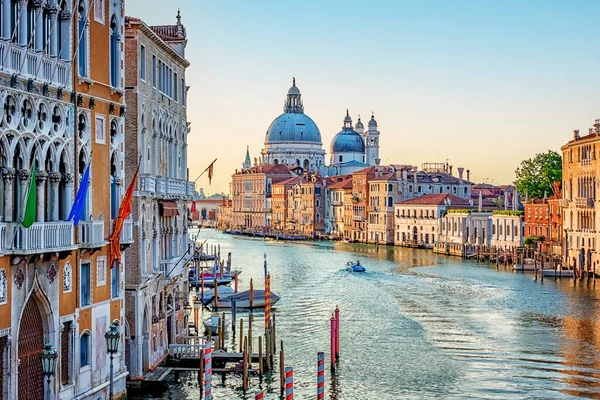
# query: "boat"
[[223, 293], [209, 280], [560, 272], [355, 267], [212, 324], [528, 265], [242, 300], [207, 257]]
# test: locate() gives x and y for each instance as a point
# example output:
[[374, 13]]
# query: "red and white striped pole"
[[320, 376], [337, 333], [267, 301], [289, 383], [259, 395], [332, 343], [207, 371]]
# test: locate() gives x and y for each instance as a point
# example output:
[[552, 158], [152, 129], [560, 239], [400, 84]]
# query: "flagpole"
[[204, 171]]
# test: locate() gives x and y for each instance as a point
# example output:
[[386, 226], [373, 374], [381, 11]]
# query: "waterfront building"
[[224, 214], [580, 208], [339, 191], [360, 202], [508, 228], [293, 138], [466, 225], [207, 210], [305, 205], [418, 221], [156, 133], [251, 191], [537, 220], [384, 192], [556, 221], [55, 282]]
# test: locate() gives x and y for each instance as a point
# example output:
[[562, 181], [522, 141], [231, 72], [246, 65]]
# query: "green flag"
[[30, 207]]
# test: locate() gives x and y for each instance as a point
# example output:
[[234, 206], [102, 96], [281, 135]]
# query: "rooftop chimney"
[[576, 134], [460, 174], [469, 175], [450, 169], [597, 126]]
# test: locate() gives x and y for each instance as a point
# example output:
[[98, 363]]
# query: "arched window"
[[82, 56], [114, 52], [306, 164], [390, 202], [276, 161], [85, 349]]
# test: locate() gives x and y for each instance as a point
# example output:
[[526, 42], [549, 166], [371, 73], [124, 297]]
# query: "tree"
[[536, 175]]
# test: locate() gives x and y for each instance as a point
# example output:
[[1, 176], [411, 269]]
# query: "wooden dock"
[[153, 382]]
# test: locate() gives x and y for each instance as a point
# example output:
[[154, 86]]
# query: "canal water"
[[418, 326]]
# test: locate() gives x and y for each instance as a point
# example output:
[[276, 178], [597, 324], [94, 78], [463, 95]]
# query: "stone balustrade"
[[91, 234], [36, 65], [166, 187], [41, 237], [127, 231]]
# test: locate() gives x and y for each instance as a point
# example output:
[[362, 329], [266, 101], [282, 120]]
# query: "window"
[[84, 350], [101, 271], [86, 283], [114, 272], [175, 97], [154, 70], [114, 52], [341, 158], [183, 92], [100, 129], [143, 63], [82, 56], [99, 11]]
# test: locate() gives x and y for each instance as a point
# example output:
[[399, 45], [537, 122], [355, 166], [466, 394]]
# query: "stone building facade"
[[157, 131], [580, 208], [62, 105]]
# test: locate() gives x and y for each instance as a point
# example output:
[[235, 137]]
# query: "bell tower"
[[372, 142]]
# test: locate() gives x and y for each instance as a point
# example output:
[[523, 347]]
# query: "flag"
[[210, 171], [30, 205], [124, 211], [79, 203]]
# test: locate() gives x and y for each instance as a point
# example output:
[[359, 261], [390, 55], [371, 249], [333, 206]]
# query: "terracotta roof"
[[289, 181], [345, 184], [436, 199], [484, 186]]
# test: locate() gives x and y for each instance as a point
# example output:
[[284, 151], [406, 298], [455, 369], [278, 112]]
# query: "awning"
[[168, 209]]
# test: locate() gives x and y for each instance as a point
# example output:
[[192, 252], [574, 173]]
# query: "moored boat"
[[528, 265], [223, 292], [242, 300], [559, 272], [212, 324]]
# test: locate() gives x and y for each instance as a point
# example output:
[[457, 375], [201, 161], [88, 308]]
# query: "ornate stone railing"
[[166, 187], [91, 234], [4, 245], [31, 64], [584, 202], [42, 237]]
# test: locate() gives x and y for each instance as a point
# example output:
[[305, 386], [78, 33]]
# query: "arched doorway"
[[415, 235], [31, 343]]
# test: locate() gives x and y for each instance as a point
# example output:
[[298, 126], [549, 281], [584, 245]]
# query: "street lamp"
[[48, 357], [112, 346]]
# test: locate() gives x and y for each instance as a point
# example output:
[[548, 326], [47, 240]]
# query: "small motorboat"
[[560, 272], [212, 324], [206, 257], [528, 265], [242, 300], [223, 292], [355, 267]]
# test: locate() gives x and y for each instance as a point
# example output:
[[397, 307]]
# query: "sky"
[[483, 84]]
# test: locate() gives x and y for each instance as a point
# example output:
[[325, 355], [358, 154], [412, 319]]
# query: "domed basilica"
[[293, 139]]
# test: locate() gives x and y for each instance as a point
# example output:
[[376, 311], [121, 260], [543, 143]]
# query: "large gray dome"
[[293, 127]]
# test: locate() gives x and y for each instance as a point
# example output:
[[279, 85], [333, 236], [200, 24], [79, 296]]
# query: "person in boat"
[[358, 263]]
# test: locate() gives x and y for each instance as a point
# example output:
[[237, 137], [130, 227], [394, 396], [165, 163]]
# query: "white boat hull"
[[565, 273], [526, 267]]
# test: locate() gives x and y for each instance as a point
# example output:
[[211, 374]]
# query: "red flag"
[[124, 211], [210, 171]]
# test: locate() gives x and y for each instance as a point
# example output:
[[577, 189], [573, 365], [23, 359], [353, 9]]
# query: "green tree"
[[536, 175]]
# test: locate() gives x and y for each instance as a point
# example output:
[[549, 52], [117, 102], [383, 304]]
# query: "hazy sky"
[[483, 84]]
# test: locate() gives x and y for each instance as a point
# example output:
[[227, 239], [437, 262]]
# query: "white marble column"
[[54, 200], [40, 180], [6, 31], [54, 27], [39, 26], [23, 36], [68, 200], [8, 174]]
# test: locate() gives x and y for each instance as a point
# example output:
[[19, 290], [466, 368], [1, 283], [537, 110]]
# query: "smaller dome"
[[359, 124], [372, 122], [294, 89], [347, 118], [347, 141]]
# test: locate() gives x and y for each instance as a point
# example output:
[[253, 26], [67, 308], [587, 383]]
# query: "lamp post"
[[48, 357], [112, 346]]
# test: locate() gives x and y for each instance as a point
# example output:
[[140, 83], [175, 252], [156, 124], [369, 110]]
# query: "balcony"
[[584, 202], [91, 234], [168, 188], [127, 231], [41, 237], [4, 245], [31, 64]]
